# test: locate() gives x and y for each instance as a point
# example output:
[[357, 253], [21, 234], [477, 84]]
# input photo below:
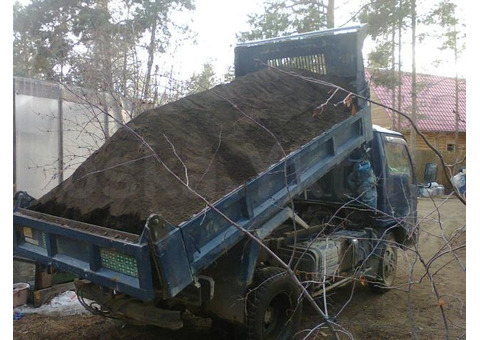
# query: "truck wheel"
[[273, 309], [387, 266]]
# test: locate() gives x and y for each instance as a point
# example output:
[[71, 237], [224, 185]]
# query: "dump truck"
[[334, 210]]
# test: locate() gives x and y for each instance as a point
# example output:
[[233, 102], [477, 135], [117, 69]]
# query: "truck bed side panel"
[[209, 235]]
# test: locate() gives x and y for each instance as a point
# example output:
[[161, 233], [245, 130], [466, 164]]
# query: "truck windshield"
[[399, 176], [398, 160]]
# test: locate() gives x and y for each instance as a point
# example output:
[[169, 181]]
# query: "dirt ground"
[[400, 313], [409, 311]]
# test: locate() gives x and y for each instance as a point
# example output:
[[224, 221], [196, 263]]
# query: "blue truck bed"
[[165, 259]]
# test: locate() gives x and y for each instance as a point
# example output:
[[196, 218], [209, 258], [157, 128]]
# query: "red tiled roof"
[[435, 101]]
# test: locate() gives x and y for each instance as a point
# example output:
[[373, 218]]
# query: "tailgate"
[[107, 257]]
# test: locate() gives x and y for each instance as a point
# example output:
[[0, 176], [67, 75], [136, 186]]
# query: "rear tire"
[[273, 310], [387, 266]]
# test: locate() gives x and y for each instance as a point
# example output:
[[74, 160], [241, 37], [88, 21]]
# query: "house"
[[436, 117]]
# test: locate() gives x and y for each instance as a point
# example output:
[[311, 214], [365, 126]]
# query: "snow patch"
[[63, 304]]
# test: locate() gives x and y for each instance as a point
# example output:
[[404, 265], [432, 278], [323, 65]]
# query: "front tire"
[[273, 310], [387, 266]]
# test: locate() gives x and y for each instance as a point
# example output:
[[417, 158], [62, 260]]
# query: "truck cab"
[[392, 196]]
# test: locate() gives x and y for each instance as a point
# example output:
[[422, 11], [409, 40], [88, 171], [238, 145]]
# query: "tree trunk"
[[151, 55], [104, 58], [399, 102], [414, 79], [456, 91], [393, 77], [155, 85], [331, 14]]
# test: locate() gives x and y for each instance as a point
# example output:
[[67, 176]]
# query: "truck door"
[[401, 185]]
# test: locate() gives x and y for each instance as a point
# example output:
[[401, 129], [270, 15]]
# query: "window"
[[399, 177], [450, 147], [398, 160], [315, 63]]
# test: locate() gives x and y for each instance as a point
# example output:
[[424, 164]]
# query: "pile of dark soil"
[[215, 141]]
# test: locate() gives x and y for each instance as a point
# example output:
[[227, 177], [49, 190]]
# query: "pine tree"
[[281, 18], [204, 80], [94, 43]]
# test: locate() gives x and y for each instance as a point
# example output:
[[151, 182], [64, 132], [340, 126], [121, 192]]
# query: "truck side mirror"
[[430, 174]]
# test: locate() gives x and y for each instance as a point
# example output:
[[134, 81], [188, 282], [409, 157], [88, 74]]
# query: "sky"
[[216, 23]]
